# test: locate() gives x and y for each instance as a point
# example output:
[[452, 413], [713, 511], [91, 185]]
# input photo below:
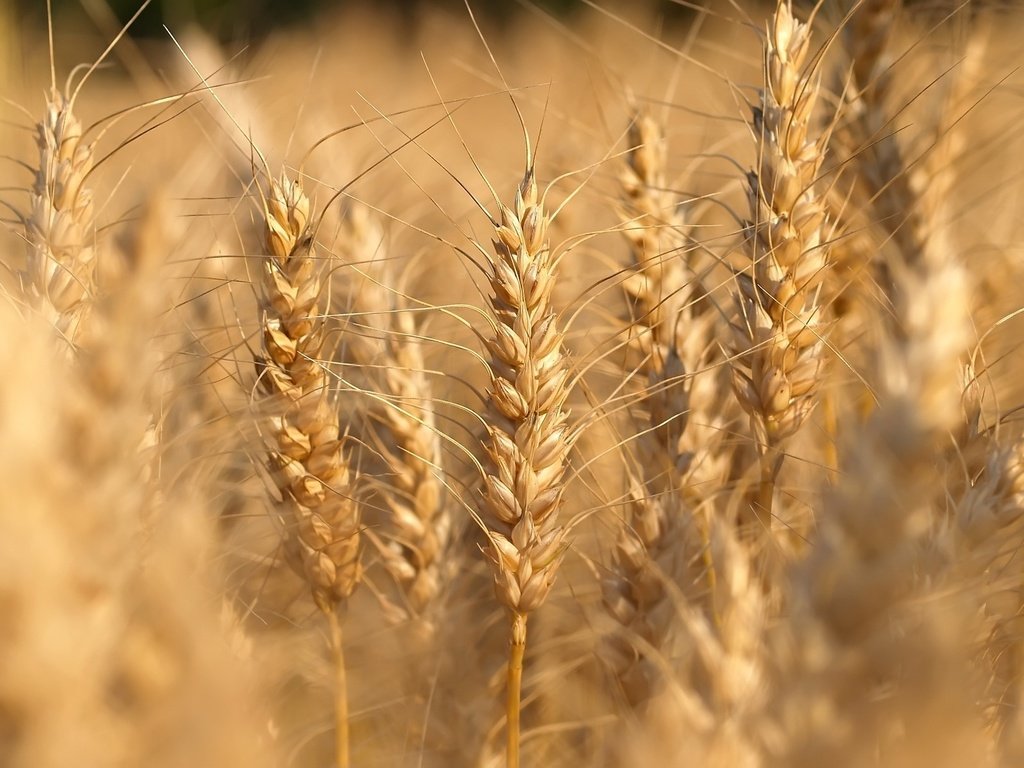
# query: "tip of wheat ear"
[[61, 229], [306, 451]]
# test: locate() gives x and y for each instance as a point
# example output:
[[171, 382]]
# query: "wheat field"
[[616, 388]]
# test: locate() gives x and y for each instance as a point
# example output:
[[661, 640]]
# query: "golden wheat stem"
[[513, 701], [828, 407], [341, 739], [765, 493]]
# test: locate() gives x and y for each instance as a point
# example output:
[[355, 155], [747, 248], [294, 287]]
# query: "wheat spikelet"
[[881, 166], [406, 433], [61, 265], [905, 198], [660, 539], [779, 337], [676, 328], [866, 36], [656, 286]]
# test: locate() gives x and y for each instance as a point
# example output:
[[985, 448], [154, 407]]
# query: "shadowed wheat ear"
[[529, 434], [305, 445], [405, 431], [61, 264], [678, 448], [891, 188], [779, 335]]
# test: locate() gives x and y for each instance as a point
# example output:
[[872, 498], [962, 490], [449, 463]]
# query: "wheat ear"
[[779, 338], [673, 338], [306, 447], [892, 188], [60, 270], [406, 433], [529, 434]]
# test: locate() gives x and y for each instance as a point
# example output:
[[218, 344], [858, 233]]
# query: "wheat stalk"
[[529, 434], [61, 265], [779, 337], [305, 445]]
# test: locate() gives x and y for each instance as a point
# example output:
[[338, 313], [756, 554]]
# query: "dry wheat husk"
[[305, 445]]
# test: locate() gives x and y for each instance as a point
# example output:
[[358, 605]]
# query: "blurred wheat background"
[[542, 384]]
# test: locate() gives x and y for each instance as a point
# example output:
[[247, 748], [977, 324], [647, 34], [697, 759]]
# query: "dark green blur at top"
[[244, 18]]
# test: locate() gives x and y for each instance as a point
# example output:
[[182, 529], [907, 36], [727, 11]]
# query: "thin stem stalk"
[[516, 652], [766, 491], [341, 741], [828, 404]]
